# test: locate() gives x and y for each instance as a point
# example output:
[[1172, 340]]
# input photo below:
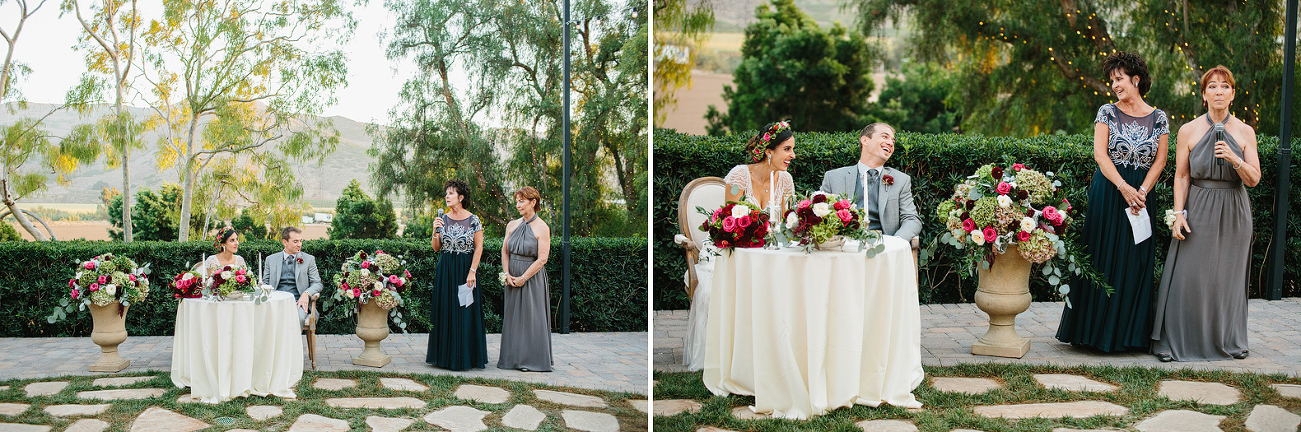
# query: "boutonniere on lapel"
[[300, 260], [889, 181]]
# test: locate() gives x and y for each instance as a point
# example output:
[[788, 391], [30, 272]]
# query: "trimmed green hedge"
[[608, 288], [936, 162]]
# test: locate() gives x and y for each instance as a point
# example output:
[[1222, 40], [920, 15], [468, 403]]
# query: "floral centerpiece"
[[736, 224], [104, 280], [996, 208], [823, 218], [231, 279], [377, 277], [188, 284]]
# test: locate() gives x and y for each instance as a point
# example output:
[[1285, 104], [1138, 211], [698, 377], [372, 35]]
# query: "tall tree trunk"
[[187, 180], [18, 214], [125, 142]]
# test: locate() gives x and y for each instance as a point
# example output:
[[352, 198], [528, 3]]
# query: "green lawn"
[[231, 414], [944, 411]]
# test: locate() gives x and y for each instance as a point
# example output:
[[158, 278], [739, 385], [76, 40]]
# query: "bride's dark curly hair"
[[768, 138], [1133, 65]]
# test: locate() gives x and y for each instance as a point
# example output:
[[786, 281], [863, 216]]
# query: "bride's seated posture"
[[765, 183]]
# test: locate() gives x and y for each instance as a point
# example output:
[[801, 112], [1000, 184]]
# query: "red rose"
[[1023, 236], [841, 205], [724, 244], [990, 234], [743, 222], [968, 225], [888, 180], [365, 264], [1003, 188]]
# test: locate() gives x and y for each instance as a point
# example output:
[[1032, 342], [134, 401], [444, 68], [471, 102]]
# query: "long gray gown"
[[1201, 307], [526, 328]]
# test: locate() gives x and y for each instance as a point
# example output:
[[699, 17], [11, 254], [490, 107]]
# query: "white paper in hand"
[[465, 294], [1141, 223]]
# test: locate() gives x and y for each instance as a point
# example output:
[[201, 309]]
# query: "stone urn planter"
[[835, 243], [1003, 292], [109, 332], [372, 327]]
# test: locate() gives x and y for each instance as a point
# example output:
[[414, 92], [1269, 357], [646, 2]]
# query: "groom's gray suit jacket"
[[307, 277], [895, 202]]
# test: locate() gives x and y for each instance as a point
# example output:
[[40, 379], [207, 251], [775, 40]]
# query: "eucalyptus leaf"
[[1064, 289], [1047, 270], [1053, 280]]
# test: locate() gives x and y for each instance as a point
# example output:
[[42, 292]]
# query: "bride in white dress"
[[765, 183], [227, 244]]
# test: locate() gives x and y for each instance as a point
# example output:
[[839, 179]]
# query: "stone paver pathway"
[[671, 407], [263, 412], [76, 410], [1271, 332], [1072, 383], [87, 425], [1180, 421], [1079, 409], [402, 384], [480, 393], [1269, 418], [120, 394], [316, 423], [597, 361], [1200, 392], [886, 426], [523, 417], [458, 419], [376, 402], [571, 399], [158, 419], [45, 388], [387, 424], [964, 385], [590, 421], [334, 383]]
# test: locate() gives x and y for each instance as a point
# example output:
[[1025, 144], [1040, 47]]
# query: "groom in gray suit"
[[885, 193], [293, 270]]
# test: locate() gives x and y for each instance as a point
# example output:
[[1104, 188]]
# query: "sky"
[[47, 40]]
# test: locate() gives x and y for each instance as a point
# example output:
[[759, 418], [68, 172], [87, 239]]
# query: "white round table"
[[233, 348], [808, 333]]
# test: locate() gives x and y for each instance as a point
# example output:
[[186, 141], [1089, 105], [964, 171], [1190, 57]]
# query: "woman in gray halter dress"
[[1201, 307], [526, 327]]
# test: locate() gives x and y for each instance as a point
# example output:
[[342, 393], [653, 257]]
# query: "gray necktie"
[[873, 196], [289, 259]]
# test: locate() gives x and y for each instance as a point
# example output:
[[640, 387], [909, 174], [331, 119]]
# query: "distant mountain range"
[[322, 184]]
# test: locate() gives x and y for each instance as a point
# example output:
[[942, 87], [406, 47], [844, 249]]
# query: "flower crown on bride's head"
[[772, 132], [222, 235]]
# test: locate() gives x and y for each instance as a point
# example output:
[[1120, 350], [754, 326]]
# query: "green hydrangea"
[[1036, 184], [119, 279], [101, 297], [983, 212], [1005, 216], [1038, 248], [88, 277], [946, 206], [388, 299], [983, 172], [107, 266], [387, 263]]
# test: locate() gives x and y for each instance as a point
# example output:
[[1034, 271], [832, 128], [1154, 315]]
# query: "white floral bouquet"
[[823, 217], [377, 277]]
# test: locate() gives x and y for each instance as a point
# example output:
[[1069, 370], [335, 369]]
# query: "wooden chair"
[[706, 192], [309, 326]]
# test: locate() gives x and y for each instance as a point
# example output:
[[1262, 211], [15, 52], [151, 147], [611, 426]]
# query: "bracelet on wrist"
[[1142, 189], [474, 271], [1239, 165]]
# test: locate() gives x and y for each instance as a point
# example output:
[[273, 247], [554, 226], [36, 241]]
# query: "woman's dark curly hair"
[[462, 189], [221, 237], [768, 138], [1133, 65]]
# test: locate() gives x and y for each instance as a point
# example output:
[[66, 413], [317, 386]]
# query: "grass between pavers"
[[312, 401], [945, 411]]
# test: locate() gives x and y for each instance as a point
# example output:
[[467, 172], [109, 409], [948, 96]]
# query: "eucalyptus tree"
[[242, 77], [1033, 67], [109, 40]]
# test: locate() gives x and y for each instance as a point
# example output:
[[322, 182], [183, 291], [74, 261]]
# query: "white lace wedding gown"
[[697, 318]]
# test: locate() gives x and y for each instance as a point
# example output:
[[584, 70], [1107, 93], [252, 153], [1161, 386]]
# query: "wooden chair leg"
[[311, 347]]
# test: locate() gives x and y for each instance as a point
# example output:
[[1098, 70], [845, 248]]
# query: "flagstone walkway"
[[948, 330], [599, 361]]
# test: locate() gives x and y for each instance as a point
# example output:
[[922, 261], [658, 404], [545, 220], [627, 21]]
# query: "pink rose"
[[407, 274], [841, 205], [377, 252], [72, 283], [717, 214], [844, 215], [990, 234], [102, 279], [968, 225], [1022, 235], [356, 292], [1017, 167], [239, 272], [132, 277], [94, 287], [1003, 188], [90, 265], [805, 203], [1068, 204], [75, 293], [365, 264], [240, 279], [345, 286], [743, 223], [729, 224], [1052, 215], [401, 282], [375, 293], [393, 279]]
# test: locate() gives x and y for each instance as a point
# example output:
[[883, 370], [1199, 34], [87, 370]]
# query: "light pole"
[[564, 242], [1275, 291]]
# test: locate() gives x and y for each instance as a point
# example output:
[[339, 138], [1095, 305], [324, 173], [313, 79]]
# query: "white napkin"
[[465, 294], [1141, 223]]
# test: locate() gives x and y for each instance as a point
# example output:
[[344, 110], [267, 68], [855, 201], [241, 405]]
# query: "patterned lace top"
[[740, 176], [1132, 141], [458, 235], [214, 265]]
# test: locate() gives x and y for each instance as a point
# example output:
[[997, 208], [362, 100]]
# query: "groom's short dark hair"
[[871, 129], [284, 233]]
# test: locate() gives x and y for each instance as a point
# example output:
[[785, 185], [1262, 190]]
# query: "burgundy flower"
[[300, 260], [841, 205], [819, 198], [996, 173], [1021, 195], [889, 180], [1059, 230], [971, 205]]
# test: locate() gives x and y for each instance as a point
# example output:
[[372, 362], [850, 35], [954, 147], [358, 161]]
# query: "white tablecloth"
[[808, 333], [229, 349]]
